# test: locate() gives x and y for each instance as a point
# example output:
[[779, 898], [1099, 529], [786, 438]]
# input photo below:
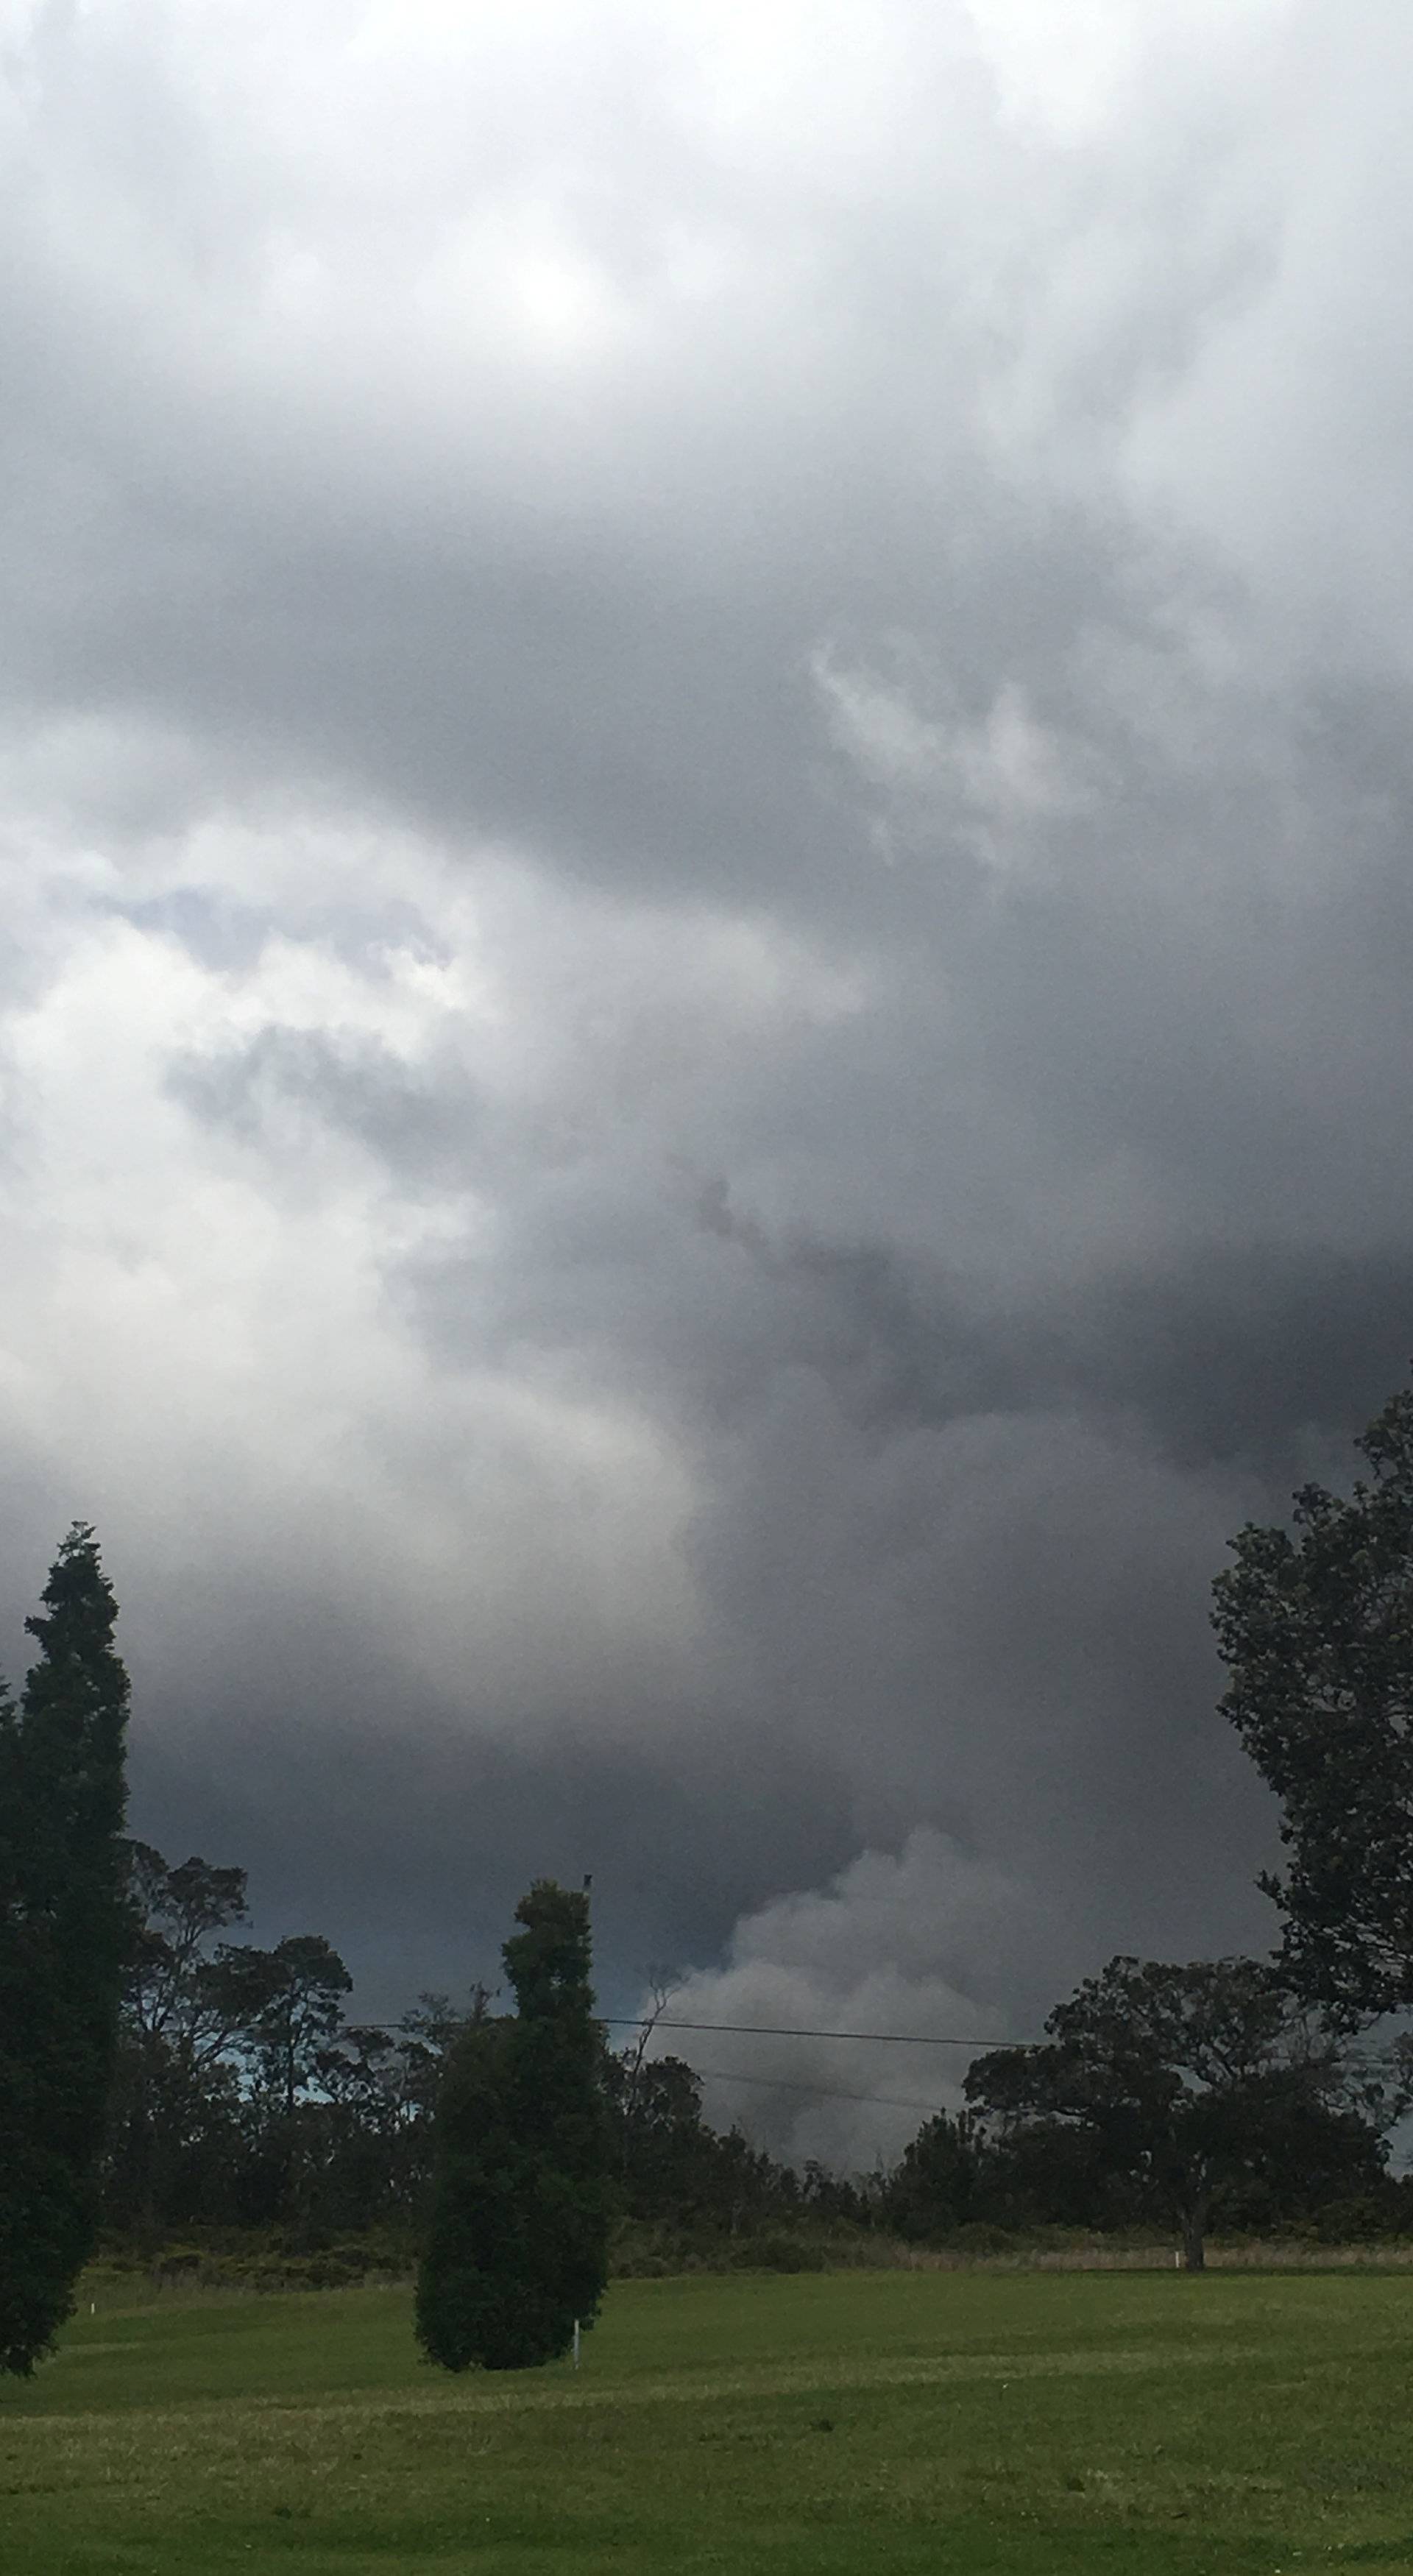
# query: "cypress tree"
[[466, 2278], [517, 2248], [65, 1928]]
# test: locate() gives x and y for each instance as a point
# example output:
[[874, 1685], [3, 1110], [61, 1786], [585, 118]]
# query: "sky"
[[704, 1040]]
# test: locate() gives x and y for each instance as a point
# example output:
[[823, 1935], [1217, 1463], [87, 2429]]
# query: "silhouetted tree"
[[517, 2247], [174, 2110], [65, 1930], [1316, 1630], [294, 2010], [940, 2180], [663, 2152], [1186, 2080]]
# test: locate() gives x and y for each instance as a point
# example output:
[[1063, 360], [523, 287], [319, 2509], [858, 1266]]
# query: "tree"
[[168, 1989], [240, 2094], [664, 2154], [1188, 2081], [466, 2278], [293, 2011], [65, 1930], [1316, 1631], [939, 2181], [517, 2249], [286, 2006], [174, 2105]]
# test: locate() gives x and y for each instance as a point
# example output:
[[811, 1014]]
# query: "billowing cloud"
[[917, 1944], [704, 784]]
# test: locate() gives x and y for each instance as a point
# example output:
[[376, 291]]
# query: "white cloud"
[[991, 785], [920, 1943], [1074, 69]]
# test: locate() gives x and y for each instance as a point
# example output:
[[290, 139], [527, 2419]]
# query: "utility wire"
[[767, 2030], [778, 2083], [818, 2092], [770, 2030], [784, 2083]]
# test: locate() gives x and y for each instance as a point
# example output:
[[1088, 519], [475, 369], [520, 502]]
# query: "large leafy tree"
[[65, 1930], [1184, 2082], [291, 2021], [241, 2094], [293, 2012], [176, 1990], [174, 2107], [517, 2248], [220, 2043], [1315, 1626]]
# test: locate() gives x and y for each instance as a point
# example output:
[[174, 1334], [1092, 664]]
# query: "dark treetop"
[[1315, 1626]]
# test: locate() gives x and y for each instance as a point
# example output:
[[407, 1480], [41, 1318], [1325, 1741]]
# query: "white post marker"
[[576, 2343]]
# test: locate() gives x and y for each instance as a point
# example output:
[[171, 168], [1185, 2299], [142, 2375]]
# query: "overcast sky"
[[704, 785]]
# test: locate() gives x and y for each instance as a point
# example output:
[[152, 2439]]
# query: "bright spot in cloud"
[[563, 304]]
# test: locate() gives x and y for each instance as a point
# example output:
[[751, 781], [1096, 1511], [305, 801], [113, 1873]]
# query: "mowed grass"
[[1002, 2424]]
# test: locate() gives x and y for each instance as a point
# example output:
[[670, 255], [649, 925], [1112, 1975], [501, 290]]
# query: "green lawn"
[[805, 2427]]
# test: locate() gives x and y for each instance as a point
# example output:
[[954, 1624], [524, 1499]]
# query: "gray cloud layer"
[[704, 771]]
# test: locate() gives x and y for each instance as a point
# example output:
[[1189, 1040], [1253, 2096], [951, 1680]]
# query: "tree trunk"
[[1194, 2231]]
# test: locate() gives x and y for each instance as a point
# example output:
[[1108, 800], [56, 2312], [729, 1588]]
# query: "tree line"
[[158, 2075], [244, 2096]]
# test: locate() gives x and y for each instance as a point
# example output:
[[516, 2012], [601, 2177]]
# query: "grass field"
[[801, 2427]]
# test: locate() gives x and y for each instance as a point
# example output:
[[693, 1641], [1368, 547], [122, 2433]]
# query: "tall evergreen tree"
[[65, 1929], [518, 2243]]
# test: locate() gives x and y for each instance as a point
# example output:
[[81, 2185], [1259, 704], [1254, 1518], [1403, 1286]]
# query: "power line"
[[778, 2083], [771, 2030], [818, 2092], [785, 2083], [766, 2030]]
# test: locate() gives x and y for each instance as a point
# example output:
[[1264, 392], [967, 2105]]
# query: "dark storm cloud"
[[707, 1039], [1229, 1356], [676, 1848]]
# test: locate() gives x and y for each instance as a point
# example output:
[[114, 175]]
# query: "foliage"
[[1316, 1630], [175, 2103], [661, 2148], [64, 1933], [242, 2096], [671, 2167], [465, 2280], [517, 2248], [941, 2181], [1183, 2083]]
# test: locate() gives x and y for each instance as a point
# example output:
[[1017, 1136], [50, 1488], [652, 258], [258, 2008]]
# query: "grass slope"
[[999, 2426]]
